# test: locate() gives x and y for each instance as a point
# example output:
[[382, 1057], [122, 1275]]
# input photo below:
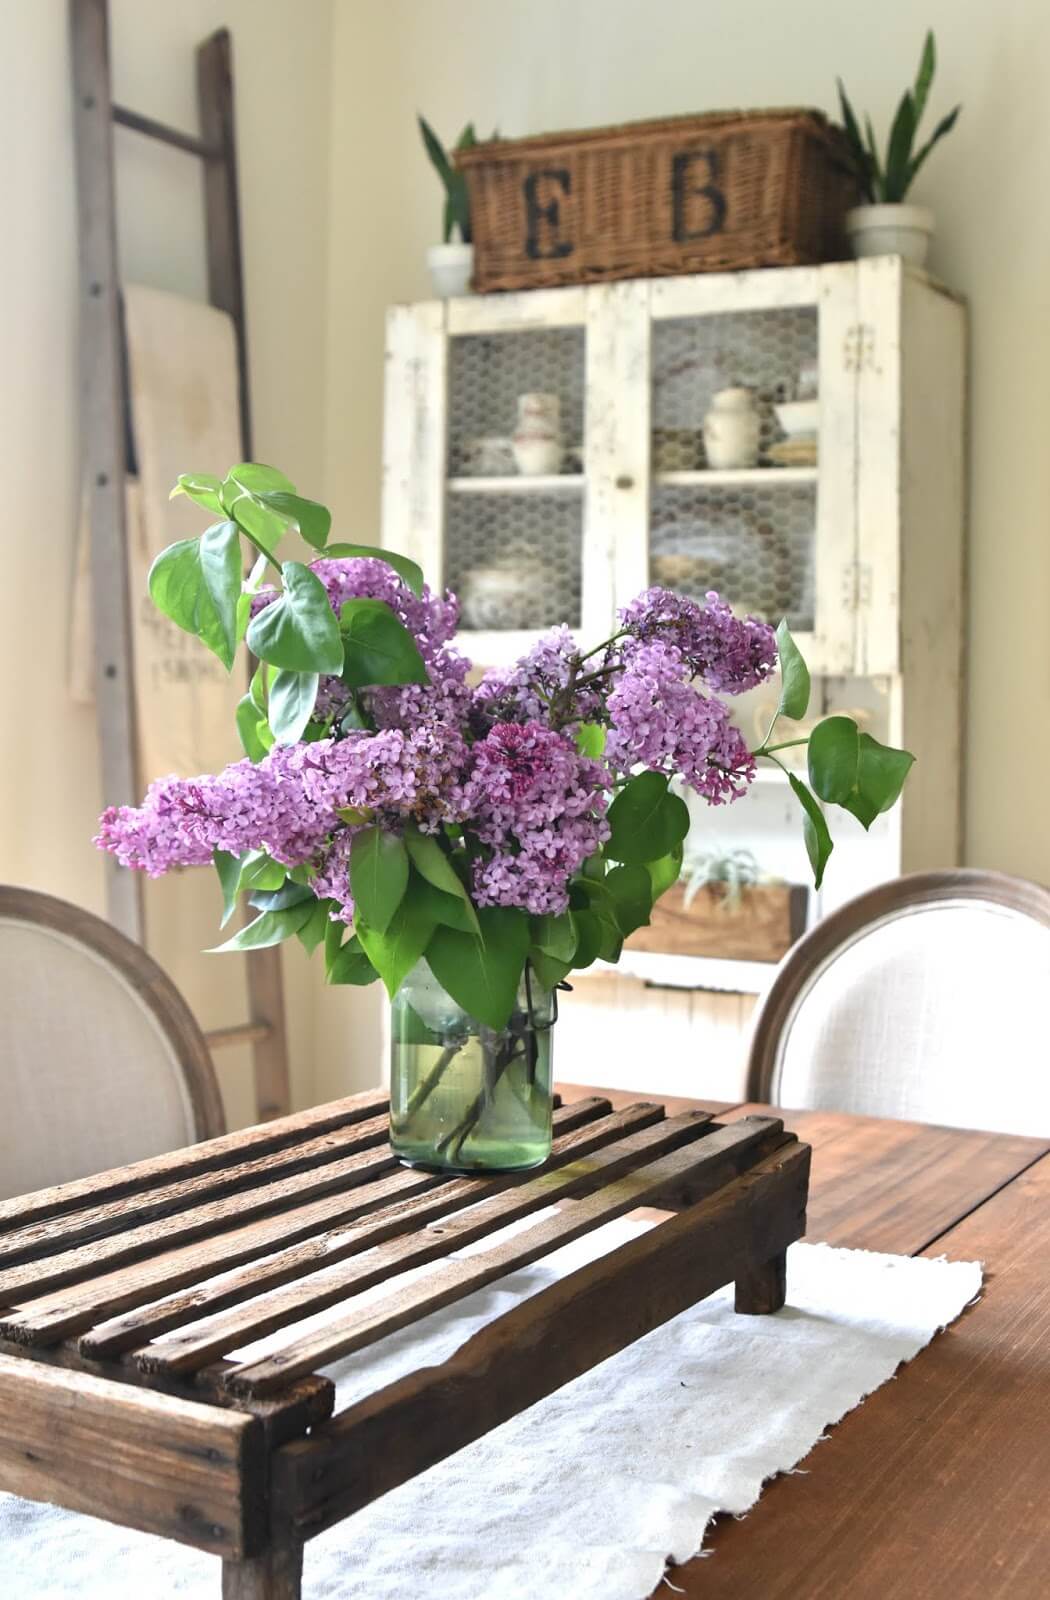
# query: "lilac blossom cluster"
[[497, 764]]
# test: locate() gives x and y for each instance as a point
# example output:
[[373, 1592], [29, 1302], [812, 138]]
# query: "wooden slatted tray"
[[125, 1300]]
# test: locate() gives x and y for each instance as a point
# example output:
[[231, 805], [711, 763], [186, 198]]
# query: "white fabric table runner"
[[587, 1495]]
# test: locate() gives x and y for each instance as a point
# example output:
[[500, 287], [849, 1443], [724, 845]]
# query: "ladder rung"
[[160, 130], [241, 1033]]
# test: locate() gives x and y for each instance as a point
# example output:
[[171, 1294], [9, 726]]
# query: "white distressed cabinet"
[[863, 552]]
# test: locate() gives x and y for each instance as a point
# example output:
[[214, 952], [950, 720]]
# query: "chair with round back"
[[924, 998], [101, 1061]]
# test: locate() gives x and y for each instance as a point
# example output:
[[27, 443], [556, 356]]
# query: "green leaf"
[[483, 975], [833, 756], [395, 952], [877, 181], [408, 1027], [229, 872], [945, 125], [587, 926], [293, 696], [289, 894], [258, 478], [197, 583], [313, 929], [665, 872], [555, 936], [548, 969], [257, 688], [924, 77], [794, 676], [378, 875], [272, 927], [898, 154], [201, 488], [350, 965], [252, 730], [431, 862], [646, 821], [379, 648], [260, 871], [814, 830], [590, 739], [447, 909], [631, 891], [298, 631], [309, 519], [409, 572], [881, 771], [861, 158]]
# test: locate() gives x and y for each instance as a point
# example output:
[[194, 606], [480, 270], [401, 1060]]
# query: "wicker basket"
[[685, 194]]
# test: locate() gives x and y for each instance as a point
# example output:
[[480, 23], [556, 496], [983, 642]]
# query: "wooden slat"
[[75, 1307], [181, 1352], [195, 1222], [205, 1157], [721, 1156], [131, 1211], [418, 1205], [162, 131], [551, 1338], [899, 1184], [174, 1467]]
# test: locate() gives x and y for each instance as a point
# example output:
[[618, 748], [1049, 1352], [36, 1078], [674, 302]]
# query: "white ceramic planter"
[[896, 230], [451, 267]]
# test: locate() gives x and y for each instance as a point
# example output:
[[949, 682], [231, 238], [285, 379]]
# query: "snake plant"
[[887, 182], [457, 199]]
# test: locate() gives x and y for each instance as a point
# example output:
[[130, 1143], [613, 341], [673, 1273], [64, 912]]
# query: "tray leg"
[[762, 1288], [275, 1575]]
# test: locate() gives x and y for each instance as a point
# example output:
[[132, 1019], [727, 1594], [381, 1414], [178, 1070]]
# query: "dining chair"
[[924, 998], [101, 1060]]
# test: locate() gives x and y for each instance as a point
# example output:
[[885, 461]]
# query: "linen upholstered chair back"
[[924, 999], [101, 1061]]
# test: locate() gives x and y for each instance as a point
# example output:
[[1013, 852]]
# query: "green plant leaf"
[[313, 929], [289, 894], [482, 974], [665, 872], [228, 869], [409, 572], [260, 871], [197, 583], [877, 181], [590, 740], [554, 935], [306, 517], [881, 771], [814, 830], [794, 676], [408, 1027], [258, 478], [395, 952], [587, 926], [631, 892], [298, 631], [448, 909], [201, 488], [349, 964], [861, 158], [379, 648], [378, 875], [252, 730], [431, 862], [272, 927], [945, 125], [293, 696], [898, 153], [924, 76], [548, 969], [833, 756], [646, 821]]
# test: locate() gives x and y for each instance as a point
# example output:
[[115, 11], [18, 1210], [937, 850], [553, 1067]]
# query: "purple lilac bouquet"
[[390, 808]]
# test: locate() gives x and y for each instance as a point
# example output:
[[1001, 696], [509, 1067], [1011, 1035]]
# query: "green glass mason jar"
[[464, 1097]]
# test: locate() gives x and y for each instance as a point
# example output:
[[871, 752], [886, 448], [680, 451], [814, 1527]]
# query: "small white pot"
[[895, 230], [451, 268]]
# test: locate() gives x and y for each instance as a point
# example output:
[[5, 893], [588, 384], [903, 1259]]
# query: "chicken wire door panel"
[[773, 531], [513, 545]]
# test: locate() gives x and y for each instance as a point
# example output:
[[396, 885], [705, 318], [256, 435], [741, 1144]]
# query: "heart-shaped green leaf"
[[409, 571], [298, 631], [293, 696], [309, 519], [881, 771], [631, 891], [431, 862], [201, 488], [253, 730], [378, 875], [646, 821], [482, 975], [590, 739], [834, 752], [379, 648], [394, 953], [258, 478], [197, 583], [554, 935]]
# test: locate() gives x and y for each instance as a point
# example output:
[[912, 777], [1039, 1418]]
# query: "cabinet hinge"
[[858, 347]]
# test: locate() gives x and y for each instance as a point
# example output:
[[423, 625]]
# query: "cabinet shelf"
[[729, 477], [554, 483]]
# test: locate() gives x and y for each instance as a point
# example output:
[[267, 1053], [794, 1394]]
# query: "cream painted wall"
[[49, 798], [530, 65]]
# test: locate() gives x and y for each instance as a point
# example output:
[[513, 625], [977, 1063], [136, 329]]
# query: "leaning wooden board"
[[124, 1299]]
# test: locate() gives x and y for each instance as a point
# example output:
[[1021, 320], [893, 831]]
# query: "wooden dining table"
[[116, 1399]]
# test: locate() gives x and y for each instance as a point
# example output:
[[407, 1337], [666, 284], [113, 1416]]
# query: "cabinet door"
[[777, 538]]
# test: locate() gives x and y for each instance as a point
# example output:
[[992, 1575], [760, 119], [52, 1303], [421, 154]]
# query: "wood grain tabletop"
[[938, 1486]]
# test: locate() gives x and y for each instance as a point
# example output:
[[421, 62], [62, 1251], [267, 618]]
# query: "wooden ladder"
[[105, 435]]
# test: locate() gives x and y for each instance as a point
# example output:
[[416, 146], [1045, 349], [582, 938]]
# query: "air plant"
[[457, 198], [736, 870], [888, 182]]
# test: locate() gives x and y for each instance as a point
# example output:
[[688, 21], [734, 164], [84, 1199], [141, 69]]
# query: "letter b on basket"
[[543, 191]]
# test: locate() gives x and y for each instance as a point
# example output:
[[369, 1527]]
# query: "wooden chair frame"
[[823, 944], [150, 983]]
